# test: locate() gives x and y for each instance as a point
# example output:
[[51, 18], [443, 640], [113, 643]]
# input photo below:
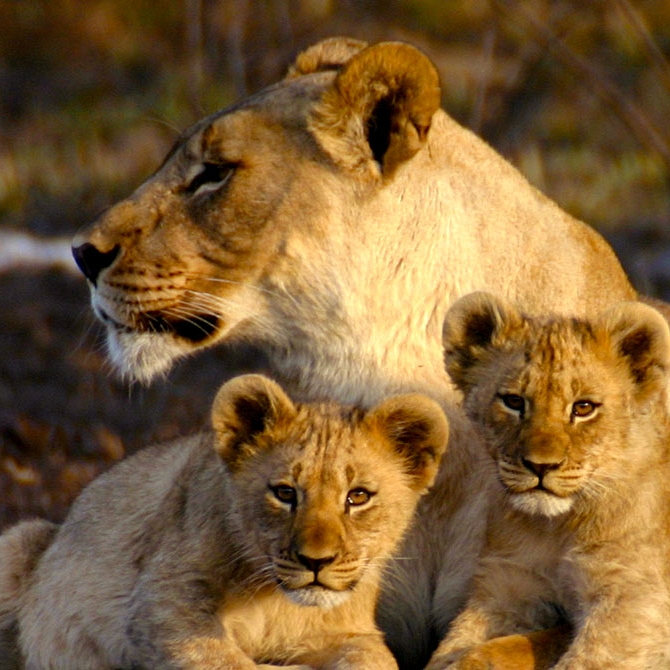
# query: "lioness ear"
[[379, 108], [329, 54], [418, 430], [472, 324], [243, 408], [641, 337]]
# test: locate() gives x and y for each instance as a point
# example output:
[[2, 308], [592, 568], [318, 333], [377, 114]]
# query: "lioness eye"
[[284, 493], [514, 402], [212, 176], [357, 497], [583, 408]]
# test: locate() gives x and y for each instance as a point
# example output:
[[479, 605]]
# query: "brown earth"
[[64, 417]]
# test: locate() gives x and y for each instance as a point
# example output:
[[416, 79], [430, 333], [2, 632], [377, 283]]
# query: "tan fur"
[[539, 650], [20, 549], [575, 416], [267, 548], [331, 220]]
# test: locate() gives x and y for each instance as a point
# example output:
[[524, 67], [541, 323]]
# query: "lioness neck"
[[366, 344], [385, 275]]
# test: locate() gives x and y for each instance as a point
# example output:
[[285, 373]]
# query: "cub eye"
[[211, 177], [514, 402], [358, 497], [582, 409], [285, 493]]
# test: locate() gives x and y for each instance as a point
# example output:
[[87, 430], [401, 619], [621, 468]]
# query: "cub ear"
[[243, 408], [472, 324], [417, 429], [641, 337], [329, 54], [379, 108]]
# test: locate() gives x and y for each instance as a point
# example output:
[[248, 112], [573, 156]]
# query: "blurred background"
[[575, 93]]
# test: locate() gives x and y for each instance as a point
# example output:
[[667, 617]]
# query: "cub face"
[[558, 399], [325, 500]]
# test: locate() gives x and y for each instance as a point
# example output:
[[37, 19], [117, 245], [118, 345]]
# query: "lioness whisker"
[[248, 285], [221, 306]]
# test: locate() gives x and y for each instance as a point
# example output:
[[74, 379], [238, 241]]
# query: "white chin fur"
[[540, 502], [142, 356], [317, 597]]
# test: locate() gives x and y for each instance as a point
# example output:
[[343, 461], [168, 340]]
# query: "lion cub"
[[266, 548], [575, 417]]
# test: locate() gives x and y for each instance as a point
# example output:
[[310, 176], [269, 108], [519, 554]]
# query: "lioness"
[[266, 548], [574, 414], [331, 220]]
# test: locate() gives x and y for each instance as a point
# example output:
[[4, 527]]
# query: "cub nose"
[[315, 564], [92, 261], [539, 468]]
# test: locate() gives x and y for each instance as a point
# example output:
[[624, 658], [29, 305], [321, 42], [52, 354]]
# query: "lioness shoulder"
[[262, 541], [574, 413]]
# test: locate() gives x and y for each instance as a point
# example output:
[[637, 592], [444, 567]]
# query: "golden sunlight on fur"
[[575, 416], [263, 541], [330, 220]]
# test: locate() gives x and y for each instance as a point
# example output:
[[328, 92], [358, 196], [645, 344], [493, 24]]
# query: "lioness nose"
[[92, 261], [315, 564]]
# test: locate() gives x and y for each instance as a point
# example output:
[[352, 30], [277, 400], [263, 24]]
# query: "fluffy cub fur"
[[330, 220], [20, 549], [575, 418], [266, 548]]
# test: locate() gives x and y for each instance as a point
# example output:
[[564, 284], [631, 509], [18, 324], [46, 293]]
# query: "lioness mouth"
[[195, 329]]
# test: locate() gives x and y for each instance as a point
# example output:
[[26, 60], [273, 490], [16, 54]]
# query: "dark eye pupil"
[[285, 494], [583, 408], [514, 402], [210, 174], [358, 497]]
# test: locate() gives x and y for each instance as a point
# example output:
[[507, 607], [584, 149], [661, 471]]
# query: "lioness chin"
[[331, 220], [574, 413], [262, 542]]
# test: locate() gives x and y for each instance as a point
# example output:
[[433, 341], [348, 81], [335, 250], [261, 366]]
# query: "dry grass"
[[575, 94]]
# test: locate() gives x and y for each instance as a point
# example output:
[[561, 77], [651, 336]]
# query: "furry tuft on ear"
[[379, 108], [328, 54], [472, 324], [244, 407], [418, 431], [641, 337]]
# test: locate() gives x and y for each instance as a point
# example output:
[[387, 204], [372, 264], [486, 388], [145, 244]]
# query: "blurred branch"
[[194, 55], [236, 42], [488, 47], [629, 113], [285, 28], [657, 55]]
